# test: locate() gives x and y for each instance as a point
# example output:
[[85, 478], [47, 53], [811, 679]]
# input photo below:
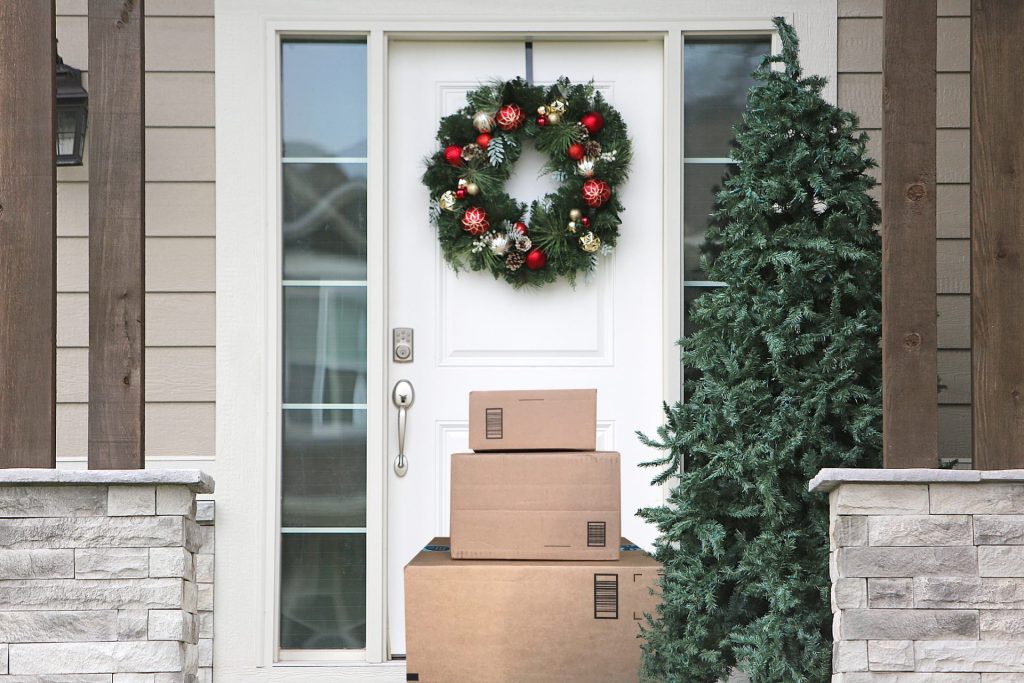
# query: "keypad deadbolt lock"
[[401, 344]]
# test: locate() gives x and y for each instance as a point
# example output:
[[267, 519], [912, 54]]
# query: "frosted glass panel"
[[323, 98], [323, 591], [716, 77]]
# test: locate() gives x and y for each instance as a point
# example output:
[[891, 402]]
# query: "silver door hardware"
[[402, 396], [401, 344]]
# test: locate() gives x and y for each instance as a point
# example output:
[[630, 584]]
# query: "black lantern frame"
[[72, 115]]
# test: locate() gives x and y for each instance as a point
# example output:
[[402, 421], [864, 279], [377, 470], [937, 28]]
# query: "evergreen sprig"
[[548, 217], [788, 381]]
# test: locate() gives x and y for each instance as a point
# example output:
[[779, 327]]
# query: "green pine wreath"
[[480, 227]]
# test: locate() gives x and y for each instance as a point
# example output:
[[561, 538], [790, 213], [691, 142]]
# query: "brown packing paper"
[[469, 621], [535, 506], [560, 419]]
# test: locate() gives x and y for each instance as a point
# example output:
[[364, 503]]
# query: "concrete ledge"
[[831, 477], [197, 480]]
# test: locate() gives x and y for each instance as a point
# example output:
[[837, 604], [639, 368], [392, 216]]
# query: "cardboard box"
[[468, 621], [535, 506], [550, 420]]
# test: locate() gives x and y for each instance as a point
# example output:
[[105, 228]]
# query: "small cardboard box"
[[535, 506], [468, 621], [551, 420]]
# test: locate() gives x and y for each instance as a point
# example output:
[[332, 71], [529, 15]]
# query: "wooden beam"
[[28, 235], [997, 234], [116, 234], [909, 369]]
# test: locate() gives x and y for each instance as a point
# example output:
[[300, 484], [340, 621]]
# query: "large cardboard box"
[[553, 420], [535, 506], [469, 621]]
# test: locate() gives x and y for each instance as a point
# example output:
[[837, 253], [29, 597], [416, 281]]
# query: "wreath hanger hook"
[[529, 62]]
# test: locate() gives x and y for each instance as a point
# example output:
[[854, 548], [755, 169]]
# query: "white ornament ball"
[[575, 214]]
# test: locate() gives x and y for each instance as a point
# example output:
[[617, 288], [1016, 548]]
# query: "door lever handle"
[[402, 396]]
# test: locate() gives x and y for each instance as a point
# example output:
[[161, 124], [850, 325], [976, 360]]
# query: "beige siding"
[[860, 90], [180, 246]]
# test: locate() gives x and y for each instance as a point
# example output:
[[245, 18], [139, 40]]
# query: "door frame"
[[248, 276]]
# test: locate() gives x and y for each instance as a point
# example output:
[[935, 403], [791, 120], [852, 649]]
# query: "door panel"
[[472, 332]]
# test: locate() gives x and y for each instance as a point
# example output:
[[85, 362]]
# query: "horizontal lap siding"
[[860, 90], [180, 244]]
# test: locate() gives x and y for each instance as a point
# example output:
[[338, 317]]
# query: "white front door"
[[472, 332]]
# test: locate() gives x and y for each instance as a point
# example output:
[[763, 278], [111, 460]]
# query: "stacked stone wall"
[[101, 582], [928, 581]]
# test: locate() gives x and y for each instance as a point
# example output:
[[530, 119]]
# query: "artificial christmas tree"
[[788, 380]]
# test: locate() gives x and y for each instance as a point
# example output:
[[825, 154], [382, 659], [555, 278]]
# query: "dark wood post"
[[116, 234], [28, 235], [997, 234], [909, 345]]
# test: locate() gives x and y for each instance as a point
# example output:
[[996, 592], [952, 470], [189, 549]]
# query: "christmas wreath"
[[480, 227]]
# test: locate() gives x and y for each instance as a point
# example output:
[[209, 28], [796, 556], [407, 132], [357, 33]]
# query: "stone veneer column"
[[927, 574], [98, 576]]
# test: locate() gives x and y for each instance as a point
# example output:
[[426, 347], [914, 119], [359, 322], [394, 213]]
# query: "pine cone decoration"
[[514, 260], [592, 148]]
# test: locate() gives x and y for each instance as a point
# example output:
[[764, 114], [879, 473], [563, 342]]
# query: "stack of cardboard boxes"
[[535, 583]]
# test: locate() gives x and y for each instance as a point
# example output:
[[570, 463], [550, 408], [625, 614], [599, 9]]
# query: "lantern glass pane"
[[67, 128]]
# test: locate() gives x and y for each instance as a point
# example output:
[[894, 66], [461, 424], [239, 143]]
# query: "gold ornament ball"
[[553, 118], [483, 122], [575, 214], [590, 242], [472, 189], [447, 201]]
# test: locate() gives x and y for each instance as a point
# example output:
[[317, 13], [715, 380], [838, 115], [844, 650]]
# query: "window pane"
[[324, 221], [716, 76], [701, 182], [323, 472], [323, 91], [323, 591]]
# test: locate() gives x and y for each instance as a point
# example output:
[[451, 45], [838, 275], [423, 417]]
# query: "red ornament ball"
[[596, 192], [586, 222], [536, 259], [483, 140], [542, 121], [576, 151], [521, 228], [460, 193], [474, 221], [593, 122], [453, 155], [510, 117]]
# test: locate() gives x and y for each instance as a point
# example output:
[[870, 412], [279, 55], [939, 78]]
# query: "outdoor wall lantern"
[[72, 112]]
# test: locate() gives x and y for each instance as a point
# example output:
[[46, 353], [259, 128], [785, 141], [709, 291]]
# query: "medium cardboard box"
[[535, 506], [551, 420], [469, 621]]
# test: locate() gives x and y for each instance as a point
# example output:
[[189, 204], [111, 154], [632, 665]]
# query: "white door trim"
[[248, 306]]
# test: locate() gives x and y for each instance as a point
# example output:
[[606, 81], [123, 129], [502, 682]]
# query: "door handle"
[[402, 396]]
